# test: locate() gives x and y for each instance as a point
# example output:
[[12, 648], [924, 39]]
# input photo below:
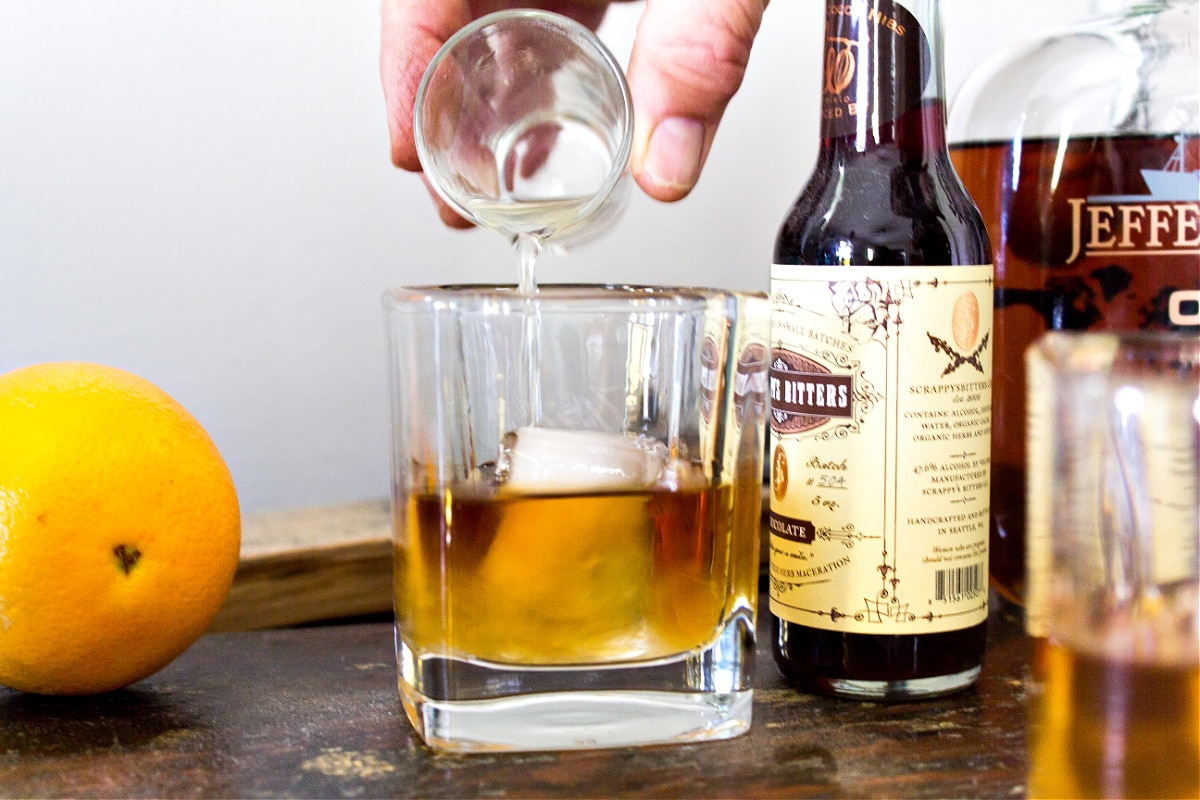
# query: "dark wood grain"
[[314, 712]]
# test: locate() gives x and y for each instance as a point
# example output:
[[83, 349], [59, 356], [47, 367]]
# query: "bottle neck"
[[883, 81]]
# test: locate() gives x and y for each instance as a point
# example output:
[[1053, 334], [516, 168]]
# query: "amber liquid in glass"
[[572, 579], [898, 203], [1108, 728], [1046, 279]]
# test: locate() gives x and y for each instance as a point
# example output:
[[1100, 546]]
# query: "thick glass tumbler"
[[576, 506]]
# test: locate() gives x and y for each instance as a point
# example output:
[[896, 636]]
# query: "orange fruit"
[[119, 529]]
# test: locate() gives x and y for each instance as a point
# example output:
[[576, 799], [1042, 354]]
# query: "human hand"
[[688, 60]]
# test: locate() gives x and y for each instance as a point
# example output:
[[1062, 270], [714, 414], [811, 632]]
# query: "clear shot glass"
[[524, 124], [589, 580]]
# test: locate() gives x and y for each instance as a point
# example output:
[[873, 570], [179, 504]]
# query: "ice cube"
[[555, 461], [679, 475]]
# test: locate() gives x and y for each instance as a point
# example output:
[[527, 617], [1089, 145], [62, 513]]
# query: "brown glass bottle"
[[883, 194]]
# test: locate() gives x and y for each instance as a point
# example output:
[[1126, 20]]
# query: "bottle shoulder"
[[879, 209], [1125, 74]]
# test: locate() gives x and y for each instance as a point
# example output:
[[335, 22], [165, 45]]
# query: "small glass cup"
[[1114, 441], [524, 124], [576, 554]]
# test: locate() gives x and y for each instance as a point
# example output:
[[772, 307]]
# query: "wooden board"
[[311, 565]]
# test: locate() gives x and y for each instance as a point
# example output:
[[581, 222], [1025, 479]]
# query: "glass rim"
[[1102, 353], [1171, 335], [571, 29], [399, 298], [1130, 341]]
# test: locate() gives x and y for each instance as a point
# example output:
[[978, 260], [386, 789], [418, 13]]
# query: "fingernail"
[[673, 157]]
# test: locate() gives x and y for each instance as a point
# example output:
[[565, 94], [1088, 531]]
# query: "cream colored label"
[[880, 386]]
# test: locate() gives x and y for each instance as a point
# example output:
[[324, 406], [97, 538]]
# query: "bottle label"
[[877, 57], [880, 388]]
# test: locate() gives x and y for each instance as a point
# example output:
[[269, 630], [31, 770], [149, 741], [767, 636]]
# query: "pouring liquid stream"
[[550, 170], [528, 247], [529, 224]]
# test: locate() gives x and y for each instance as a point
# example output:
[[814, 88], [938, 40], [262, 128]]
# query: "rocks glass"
[[576, 504]]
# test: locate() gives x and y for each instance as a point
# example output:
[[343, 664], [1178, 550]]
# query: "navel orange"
[[119, 529]]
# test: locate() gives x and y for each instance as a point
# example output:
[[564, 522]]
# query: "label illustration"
[[880, 384], [863, 37]]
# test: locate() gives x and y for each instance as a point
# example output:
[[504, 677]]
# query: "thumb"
[[688, 60]]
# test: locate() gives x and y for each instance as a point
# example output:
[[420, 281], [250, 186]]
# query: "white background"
[[199, 191]]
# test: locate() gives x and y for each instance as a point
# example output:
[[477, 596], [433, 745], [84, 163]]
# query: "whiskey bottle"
[[1081, 149]]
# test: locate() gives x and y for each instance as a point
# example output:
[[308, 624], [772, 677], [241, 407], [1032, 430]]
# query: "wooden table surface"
[[315, 712]]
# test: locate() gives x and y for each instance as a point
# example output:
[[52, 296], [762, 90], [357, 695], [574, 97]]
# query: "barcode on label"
[[961, 583]]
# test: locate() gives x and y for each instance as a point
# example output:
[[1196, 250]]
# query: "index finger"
[[411, 31]]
